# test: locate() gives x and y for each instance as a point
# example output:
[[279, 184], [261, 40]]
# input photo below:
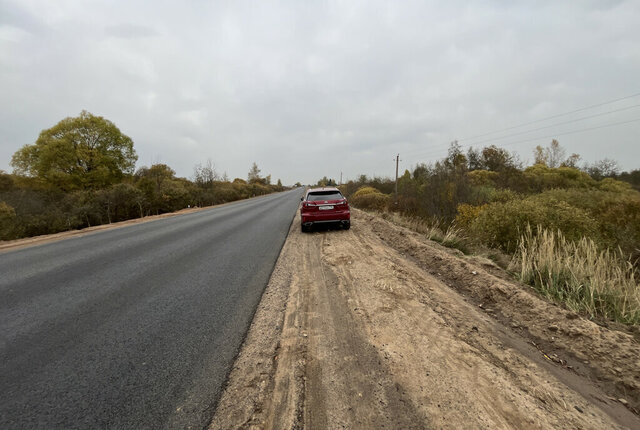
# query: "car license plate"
[[325, 208]]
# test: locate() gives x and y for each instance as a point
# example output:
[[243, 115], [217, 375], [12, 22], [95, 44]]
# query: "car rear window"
[[324, 195]]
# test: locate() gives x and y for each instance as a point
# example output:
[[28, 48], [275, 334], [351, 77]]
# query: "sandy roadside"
[[377, 327]]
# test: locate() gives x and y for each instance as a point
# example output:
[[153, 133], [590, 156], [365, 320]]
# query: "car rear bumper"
[[319, 217]]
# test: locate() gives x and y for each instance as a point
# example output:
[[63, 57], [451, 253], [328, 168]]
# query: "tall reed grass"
[[601, 283]]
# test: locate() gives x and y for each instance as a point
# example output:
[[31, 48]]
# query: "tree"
[[326, 182], [83, 152], [555, 154], [127, 202], [632, 177], [456, 160], [205, 176], [571, 161], [539, 156], [153, 182], [605, 168], [254, 173], [155, 175], [497, 159], [474, 159]]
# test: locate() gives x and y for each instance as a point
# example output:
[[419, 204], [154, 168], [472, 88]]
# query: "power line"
[[520, 133], [557, 124], [549, 136], [573, 132], [551, 117]]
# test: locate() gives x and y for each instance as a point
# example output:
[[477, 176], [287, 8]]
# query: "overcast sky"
[[313, 88]]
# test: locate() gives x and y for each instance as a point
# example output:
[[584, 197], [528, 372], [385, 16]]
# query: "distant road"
[[134, 327]]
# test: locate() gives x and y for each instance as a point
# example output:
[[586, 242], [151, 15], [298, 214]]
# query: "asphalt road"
[[134, 327]]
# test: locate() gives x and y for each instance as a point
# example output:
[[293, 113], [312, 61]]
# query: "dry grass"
[[601, 283], [434, 229]]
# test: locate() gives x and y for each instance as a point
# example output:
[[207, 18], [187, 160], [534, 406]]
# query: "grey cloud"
[[130, 31], [14, 14], [308, 89]]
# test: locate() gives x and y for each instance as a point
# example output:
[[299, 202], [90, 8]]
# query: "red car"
[[324, 205]]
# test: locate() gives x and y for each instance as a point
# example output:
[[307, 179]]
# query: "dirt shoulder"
[[377, 327]]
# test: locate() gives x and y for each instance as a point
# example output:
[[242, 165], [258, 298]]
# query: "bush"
[[7, 221], [362, 191], [501, 224], [370, 198], [504, 195], [616, 212], [540, 177], [467, 214], [615, 186], [483, 177]]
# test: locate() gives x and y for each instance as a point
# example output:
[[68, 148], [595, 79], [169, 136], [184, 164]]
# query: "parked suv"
[[324, 205]]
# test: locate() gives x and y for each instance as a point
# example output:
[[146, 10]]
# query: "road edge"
[[251, 379]]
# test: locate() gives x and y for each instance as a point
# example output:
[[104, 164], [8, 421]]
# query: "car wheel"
[[347, 225]]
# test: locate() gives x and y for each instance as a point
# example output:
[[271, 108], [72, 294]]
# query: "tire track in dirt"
[[349, 384]]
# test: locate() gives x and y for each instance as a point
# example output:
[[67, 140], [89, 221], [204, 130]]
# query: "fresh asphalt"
[[135, 327]]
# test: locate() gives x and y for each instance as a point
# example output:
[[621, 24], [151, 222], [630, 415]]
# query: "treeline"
[[492, 197], [80, 173]]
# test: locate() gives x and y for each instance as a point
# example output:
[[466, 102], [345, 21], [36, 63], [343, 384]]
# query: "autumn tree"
[[555, 154], [254, 174], [474, 159], [456, 160], [205, 175], [632, 177], [497, 159], [161, 189], [539, 156], [605, 168], [571, 161], [87, 151], [154, 176]]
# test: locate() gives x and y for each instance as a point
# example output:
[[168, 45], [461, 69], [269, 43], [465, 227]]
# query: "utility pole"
[[397, 162], [340, 178]]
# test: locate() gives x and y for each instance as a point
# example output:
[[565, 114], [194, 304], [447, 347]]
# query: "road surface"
[[134, 327]]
